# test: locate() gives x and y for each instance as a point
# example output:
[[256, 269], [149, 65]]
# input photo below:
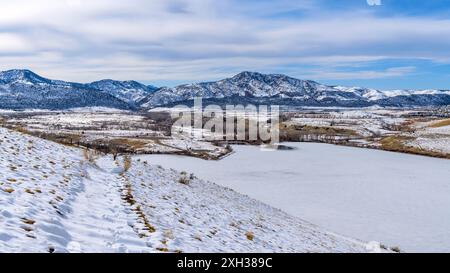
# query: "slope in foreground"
[[55, 199]]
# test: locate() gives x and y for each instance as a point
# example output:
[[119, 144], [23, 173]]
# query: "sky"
[[384, 44]]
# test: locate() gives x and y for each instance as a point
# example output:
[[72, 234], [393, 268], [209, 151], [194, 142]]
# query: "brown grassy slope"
[[442, 123], [398, 144]]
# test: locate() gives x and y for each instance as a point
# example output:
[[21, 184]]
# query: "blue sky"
[[398, 44]]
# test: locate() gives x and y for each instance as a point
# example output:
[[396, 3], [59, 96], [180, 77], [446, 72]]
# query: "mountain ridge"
[[128, 91], [293, 92], [22, 89]]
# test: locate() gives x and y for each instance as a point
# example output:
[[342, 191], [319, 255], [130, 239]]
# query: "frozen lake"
[[396, 199]]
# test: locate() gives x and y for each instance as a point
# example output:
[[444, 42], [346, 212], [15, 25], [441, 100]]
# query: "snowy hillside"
[[127, 91], [58, 199]]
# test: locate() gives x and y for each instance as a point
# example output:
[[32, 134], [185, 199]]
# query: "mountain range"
[[23, 89]]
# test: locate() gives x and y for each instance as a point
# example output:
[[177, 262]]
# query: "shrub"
[[250, 236], [89, 155], [8, 190], [28, 221], [396, 249], [184, 180], [126, 163]]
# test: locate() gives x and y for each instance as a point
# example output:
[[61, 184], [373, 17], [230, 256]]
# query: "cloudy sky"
[[398, 44]]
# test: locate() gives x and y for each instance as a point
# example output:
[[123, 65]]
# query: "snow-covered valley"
[[397, 199], [64, 198], [55, 198]]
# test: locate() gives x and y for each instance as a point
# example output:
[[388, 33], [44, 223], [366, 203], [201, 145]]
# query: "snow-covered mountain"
[[127, 91], [23, 89], [20, 89], [22, 77], [401, 98], [252, 87]]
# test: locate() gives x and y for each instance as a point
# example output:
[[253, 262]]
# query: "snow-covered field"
[[365, 122], [432, 138], [54, 198], [139, 133], [413, 130], [397, 199]]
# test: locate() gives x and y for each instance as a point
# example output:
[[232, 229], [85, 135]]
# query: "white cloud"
[[362, 74], [11, 43], [203, 39]]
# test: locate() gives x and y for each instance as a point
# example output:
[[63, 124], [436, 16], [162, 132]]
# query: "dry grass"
[[441, 123], [398, 144], [28, 221], [22, 129], [250, 235], [132, 144], [184, 180], [126, 163], [8, 190], [394, 142], [90, 155], [62, 138], [129, 198]]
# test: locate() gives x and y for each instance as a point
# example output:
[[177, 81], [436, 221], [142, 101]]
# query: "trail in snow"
[[100, 222]]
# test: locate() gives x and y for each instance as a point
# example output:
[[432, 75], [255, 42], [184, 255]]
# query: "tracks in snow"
[[100, 222]]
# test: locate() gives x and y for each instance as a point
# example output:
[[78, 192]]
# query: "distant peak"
[[22, 75], [21, 71], [110, 82], [17, 73], [258, 75], [248, 74]]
